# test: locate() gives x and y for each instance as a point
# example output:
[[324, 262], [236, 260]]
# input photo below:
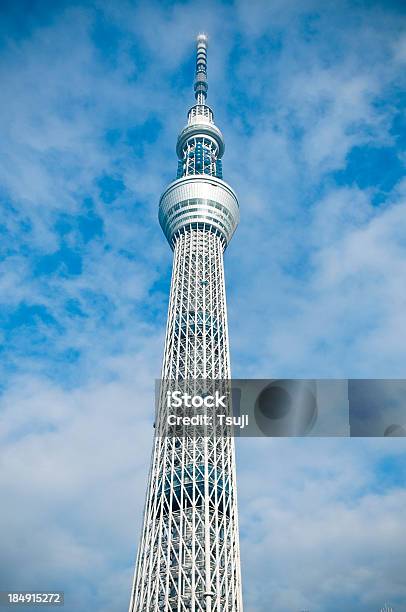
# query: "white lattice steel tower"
[[188, 558]]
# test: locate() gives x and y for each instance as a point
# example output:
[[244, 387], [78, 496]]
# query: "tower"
[[188, 559]]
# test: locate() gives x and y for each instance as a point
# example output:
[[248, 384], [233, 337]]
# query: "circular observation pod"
[[200, 124], [199, 114], [199, 201]]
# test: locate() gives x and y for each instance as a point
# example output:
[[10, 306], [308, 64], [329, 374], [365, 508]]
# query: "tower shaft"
[[189, 559]]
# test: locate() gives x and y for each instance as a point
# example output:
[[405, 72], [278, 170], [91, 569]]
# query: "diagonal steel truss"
[[189, 558]]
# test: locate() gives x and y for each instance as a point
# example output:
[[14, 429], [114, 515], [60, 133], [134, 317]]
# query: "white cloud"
[[73, 481], [314, 535]]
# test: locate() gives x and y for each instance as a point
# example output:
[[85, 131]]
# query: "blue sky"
[[310, 97]]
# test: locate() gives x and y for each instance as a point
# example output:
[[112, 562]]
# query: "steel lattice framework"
[[189, 559]]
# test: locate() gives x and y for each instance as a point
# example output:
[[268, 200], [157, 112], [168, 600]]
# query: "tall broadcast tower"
[[189, 558]]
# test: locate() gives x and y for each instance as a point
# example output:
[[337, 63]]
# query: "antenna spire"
[[201, 69]]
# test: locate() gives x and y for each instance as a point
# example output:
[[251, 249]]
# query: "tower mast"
[[189, 558]]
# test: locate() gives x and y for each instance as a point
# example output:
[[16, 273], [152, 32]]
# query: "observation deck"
[[199, 201]]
